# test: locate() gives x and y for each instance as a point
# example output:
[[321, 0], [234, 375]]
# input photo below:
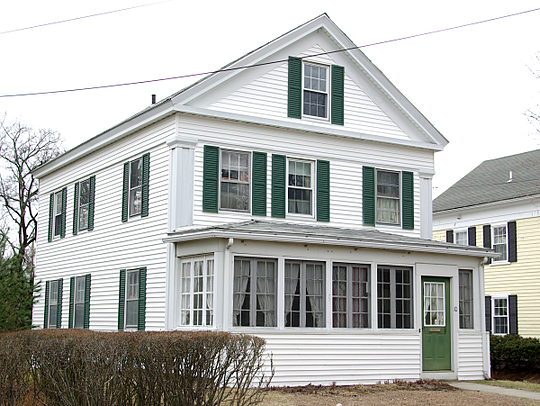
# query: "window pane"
[[461, 238], [79, 289], [135, 178], [84, 192], [131, 313], [78, 321], [394, 298]]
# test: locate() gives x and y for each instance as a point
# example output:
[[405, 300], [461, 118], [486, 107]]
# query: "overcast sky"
[[472, 83]]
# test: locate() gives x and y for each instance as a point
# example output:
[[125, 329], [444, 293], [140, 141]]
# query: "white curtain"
[[241, 279], [266, 292], [292, 271], [387, 210], [314, 287]]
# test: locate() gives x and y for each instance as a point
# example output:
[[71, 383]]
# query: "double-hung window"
[[304, 294], [84, 200], [57, 214], [500, 243], [235, 180], [315, 90], [135, 187], [388, 197], [500, 315], [461, 237], [53, 304], [197, 292], [350, 296], [394, 297], [83, 205], [254, 292], [78, 303], [300, 187], [465, 299], [132, 299]]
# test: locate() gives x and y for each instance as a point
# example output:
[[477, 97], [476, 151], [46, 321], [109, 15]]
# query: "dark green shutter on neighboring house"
[[471, 234], [64, 208], [294, 105], [46, 312], [368, 195], [512, 314], [75, 208], [486, 231], [125, 192], [337, 104], [71, 299], [121, 299], [210, 178], [407, 193], [259, 184], [278, 185], [86, 322], [323, 190], [91, 202], [145, 187], [512, 241], [51, 212], [487, 304], [141, 315], [59, 303], [449, 235]]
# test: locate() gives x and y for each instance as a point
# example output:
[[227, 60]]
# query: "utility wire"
[[267, 63], [83, 17]]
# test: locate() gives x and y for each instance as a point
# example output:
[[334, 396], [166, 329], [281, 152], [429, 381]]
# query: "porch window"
[[254, 300], [350, 296], [465, 299], [197, 292], [304, 294], [394, 297]]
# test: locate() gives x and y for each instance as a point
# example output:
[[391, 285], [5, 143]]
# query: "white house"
[[287, 196]]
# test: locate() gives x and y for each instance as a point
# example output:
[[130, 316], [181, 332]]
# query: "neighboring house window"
[[461, 237], [235, 180], [83, 205], [79, 302], [304, 294], [315, 91], [300, 187], [254, 292], [500, 243], [197, 292], [394, 297], [503, 239], [387, 197], [53, 304], [57, 214], [465, 299], [350, 296], [132, 299], [135, 187], [501, 314]]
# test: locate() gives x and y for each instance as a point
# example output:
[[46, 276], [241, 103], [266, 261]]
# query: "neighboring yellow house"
[[497, 205]]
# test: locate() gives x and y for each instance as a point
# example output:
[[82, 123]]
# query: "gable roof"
[[194, 99], [493, 181], [266, 230]]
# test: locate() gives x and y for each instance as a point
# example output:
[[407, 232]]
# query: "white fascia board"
[[297, 125], [143, 119], [306, 239]]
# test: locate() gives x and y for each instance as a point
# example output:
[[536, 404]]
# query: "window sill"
[[497, 263]]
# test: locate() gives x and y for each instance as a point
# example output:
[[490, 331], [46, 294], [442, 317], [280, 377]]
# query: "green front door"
[[436, 332]]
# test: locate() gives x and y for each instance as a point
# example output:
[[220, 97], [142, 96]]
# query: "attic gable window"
[[315, 91]]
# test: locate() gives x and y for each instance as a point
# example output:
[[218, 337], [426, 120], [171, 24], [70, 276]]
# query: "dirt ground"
[[422, 392]]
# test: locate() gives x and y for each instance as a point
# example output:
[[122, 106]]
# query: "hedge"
[[515, 353]]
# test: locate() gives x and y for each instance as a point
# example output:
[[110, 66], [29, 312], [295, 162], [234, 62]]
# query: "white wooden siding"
[[112, 245], [346, 160], [266, 97], [470, 356]]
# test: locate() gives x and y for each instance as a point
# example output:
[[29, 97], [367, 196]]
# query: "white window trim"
[[444, 303], [312, 188], [400, 198], [325, 119], [55, 214], [493, 298], [205, 292], [250, 179], [461, 230], [497, 261], [131, 326]]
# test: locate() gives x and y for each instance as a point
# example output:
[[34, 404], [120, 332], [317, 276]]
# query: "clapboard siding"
[[470, 357], [266, 97], [112, 245], [300, 359], [346, 159]]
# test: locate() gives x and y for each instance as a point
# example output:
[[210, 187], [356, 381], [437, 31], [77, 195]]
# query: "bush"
[[513, 353], [76, 367]]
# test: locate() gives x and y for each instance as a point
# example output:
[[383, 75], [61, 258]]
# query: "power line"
[[261, 64], [83, 17]]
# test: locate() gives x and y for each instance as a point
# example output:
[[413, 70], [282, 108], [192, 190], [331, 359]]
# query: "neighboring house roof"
[[316, 234], [195, 99], [495, 180]]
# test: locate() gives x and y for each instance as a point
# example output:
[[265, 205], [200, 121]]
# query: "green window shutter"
[[46, 312], [407, 193], [323, 190], [59, 303], [142, 300], [368, 195], [121, 299], [294, 106], [86, 321], [338, 98], [210, 178], [71, 299], [145, 187], [278, 185], [91, 202], [51, 205], [75, 208], [125, 192], [64, 207], [259, 184]]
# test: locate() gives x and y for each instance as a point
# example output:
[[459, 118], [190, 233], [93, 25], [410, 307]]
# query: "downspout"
[[485, 334]]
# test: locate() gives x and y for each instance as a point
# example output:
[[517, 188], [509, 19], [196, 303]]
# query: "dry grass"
[[530, 386]]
